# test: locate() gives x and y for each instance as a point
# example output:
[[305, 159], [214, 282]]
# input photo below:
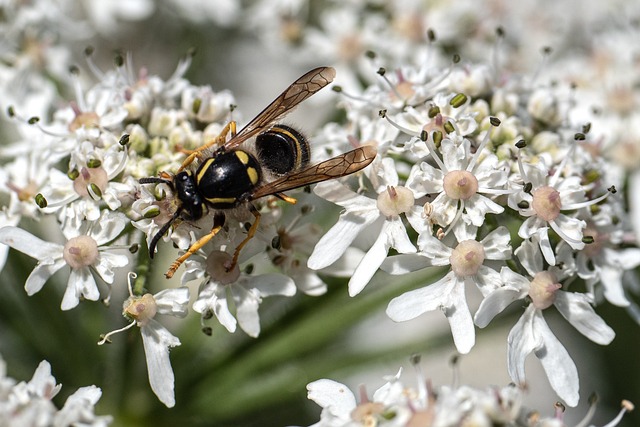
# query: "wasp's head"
[[190, 199]]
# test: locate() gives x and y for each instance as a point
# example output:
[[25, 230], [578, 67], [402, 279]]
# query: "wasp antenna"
[[155, 180], [160, 233]]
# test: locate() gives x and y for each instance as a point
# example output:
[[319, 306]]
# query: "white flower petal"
[[578, 311], [530, 257], [460, 321], [497, 244], [29, 244], [571, 228], [105, 263], [333, 244], [108, 227], [157, 340], [626, 259], [332, 396], [495, 303], [558, 365], [173, 301], [403, 264], [40, 275], [414, 303], [393, 234], [611, 279], [520, 343], [80, 283], [477, 207], [486, 280], [247, 304], [273, 284], [530, 226]]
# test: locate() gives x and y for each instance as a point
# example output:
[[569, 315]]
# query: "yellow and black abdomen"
[[282, 149], [226, 179]]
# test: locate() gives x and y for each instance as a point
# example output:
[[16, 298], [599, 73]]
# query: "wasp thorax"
[[467, 258], [543, 288], [80, 252], [460, 185], [394, 201], [91, 182], [141, 309], [218, 265], [546, 203]]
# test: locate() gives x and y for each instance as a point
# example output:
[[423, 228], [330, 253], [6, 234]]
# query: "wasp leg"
[[250, 234], [218, 222], [285, 198], [220, 139]]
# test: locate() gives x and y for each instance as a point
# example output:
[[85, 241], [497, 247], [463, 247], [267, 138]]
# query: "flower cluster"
[[396, 404], [30, 403], [498, 182]]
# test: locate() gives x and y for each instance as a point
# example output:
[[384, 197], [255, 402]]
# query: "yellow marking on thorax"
[[242, 156], [204, 168], [215, 200], [254, 177]]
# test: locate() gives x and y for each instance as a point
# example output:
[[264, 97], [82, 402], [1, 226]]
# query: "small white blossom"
[[86, 250], [379, 216], [467, 260], [223, 290], [157, 340], [531, 333]]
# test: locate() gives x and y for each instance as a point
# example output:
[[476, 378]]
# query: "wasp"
[[234, 174]]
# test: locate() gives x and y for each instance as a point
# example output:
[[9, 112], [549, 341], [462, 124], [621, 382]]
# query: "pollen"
[[546, 203], [460, 185], [80, 252], [467, 258], [394, 201]]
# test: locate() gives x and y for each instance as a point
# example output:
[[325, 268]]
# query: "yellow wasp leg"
[[250, 234], [220, 139], [218, 222]]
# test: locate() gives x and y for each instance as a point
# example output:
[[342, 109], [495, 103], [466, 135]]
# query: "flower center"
[[91, 182], [547, 203], [142, 309], [87, 120], [80, 252], [217, 264], [460, 185], [24, 194], [467, 258], [394, 201], [543, 288], [367, 413]]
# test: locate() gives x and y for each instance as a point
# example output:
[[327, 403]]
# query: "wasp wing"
[[301, 89], [336, 167]]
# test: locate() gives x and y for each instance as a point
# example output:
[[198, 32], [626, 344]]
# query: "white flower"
[[531, 333], [85, 250], [603, 261], [30, 403], [90, 179], [448, 294], [380, 216], [222, 290], [157, 340], [459, 180], [546, 196]]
